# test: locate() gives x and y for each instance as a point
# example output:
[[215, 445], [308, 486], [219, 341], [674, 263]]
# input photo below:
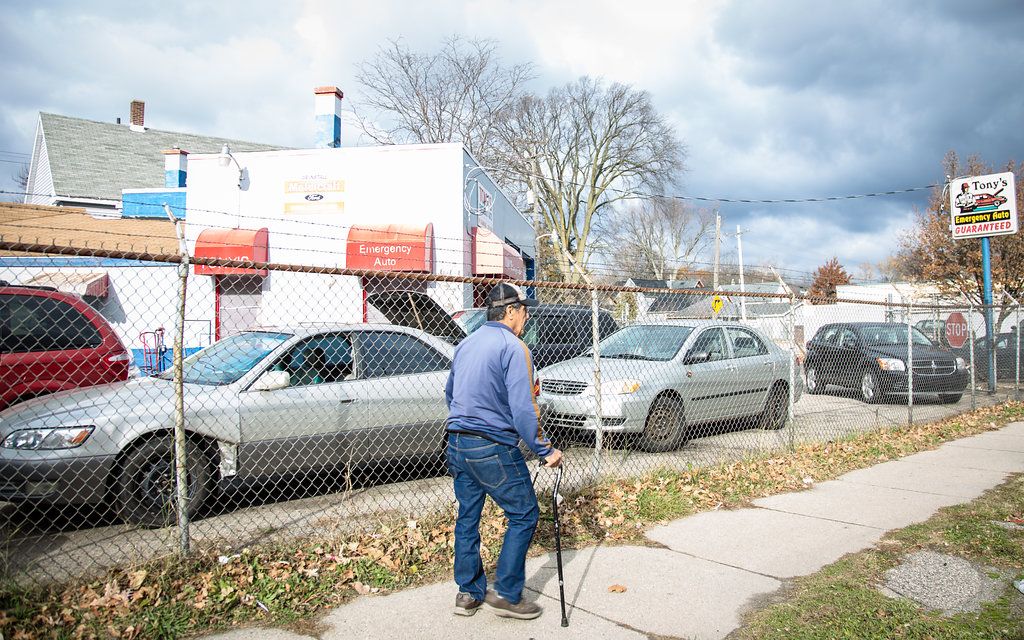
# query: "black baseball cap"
[[504, 294]]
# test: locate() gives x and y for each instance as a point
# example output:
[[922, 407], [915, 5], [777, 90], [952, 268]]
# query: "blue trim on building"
[[328, 131], [72, 261], [150, 204], [162, 363], [174, 178]]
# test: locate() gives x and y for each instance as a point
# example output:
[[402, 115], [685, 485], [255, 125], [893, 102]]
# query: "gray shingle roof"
[[90, 159]]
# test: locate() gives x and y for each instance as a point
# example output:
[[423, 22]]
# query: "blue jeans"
[[483, 468]]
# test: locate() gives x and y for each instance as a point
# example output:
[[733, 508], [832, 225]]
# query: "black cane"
[[558, 545]]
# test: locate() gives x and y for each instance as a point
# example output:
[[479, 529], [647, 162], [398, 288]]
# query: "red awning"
[[232, 244], [391, 247], [84, 284], [492, 257]]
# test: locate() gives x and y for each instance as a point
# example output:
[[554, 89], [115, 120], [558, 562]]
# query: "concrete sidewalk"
[[712, 565]]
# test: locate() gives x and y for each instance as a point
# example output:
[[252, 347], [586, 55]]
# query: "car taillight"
[[536, 388]]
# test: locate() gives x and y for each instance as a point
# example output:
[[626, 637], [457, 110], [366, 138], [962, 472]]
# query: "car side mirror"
[[272, 380], [696, 357]]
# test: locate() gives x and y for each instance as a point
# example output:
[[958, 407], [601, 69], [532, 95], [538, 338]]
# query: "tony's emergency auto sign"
[[983, 206]]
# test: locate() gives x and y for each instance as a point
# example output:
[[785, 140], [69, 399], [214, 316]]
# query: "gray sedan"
[[258, 403], [658, 380]]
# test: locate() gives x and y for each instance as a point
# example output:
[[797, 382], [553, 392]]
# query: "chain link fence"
[[293, 401]]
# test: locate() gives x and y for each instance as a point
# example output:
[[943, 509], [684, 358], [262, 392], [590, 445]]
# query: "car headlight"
[[619, 387], [48, 438], [892, 364], [961, 364]]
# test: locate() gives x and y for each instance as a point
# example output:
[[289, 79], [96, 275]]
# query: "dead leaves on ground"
[[224, 586]]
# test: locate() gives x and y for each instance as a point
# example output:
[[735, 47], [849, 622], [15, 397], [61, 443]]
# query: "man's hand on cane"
[[554, 459]]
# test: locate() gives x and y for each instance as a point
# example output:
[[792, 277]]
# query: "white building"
[[425, 209]]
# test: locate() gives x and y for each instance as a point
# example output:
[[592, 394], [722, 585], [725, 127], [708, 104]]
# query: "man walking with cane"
[[491, 406]]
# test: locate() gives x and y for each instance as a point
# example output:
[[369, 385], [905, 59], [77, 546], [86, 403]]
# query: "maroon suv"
[[51, 341]]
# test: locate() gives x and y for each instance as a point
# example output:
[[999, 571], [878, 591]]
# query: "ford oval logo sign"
[[313, 197]]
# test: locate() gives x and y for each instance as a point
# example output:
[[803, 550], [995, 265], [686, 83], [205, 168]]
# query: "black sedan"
[[1008, 356], [873, 357]]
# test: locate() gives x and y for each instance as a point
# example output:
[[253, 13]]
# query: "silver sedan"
[[258, 403], [659, 380]]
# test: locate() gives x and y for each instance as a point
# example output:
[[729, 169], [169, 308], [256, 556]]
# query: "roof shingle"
[[96, 160]]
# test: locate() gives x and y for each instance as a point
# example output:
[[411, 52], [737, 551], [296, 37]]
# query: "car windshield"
[[890, 333], [645, 342], [471, 320], [228, 360]]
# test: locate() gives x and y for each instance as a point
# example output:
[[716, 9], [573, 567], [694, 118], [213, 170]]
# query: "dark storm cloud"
[[852, 98], [775, 100]]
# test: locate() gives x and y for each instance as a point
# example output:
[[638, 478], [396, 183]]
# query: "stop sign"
[[956, 330]]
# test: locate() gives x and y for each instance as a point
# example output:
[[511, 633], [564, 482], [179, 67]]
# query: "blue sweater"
[[490, 389]]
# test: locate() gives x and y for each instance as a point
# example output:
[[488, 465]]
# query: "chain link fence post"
[[910, 363], [970, 314], [180, 458], [1016, 358], [596, 339], [792, 373]]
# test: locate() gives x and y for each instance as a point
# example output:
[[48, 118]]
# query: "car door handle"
[[346, 400]]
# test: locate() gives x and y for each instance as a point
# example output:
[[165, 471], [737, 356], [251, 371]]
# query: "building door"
[[239, 299]]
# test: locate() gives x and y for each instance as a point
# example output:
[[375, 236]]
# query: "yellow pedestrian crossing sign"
[[716, 305]]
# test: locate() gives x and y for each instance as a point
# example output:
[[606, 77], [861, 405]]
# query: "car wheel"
[[146, 485], [950, 398], [776, 409], [665, 428], [814, 382], [870, 392]]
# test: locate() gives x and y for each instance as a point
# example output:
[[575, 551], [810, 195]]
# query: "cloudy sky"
[[780, 100]]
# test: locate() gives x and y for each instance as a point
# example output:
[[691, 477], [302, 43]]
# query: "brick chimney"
[[138, 113], [328, 117]]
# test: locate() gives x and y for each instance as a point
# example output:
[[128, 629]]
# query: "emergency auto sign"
[[983, 206]]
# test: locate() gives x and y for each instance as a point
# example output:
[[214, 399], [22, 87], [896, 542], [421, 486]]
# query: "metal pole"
[[718, 239], [910, 364], [180, 458], [596, 337], [1016, 359], [792, 374], [973, 377], [739, 250], [986, 263]]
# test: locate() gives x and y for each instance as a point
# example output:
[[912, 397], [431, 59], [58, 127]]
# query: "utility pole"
[[718, 237], [739, 248]]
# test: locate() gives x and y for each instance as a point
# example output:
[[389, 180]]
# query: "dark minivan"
[[554, 332], [872, 357]]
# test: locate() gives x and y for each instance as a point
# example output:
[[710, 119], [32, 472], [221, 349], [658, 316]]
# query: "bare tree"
[[457, 94], [586, 147], [20, 179], [658, 238]]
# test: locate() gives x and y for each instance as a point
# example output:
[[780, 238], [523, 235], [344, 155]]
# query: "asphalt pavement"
[[705, 570]]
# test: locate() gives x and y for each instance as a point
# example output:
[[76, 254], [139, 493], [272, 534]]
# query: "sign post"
[[981, 207]]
